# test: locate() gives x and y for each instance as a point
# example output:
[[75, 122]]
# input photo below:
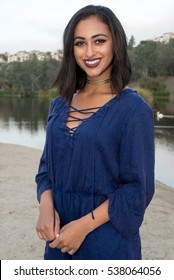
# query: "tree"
[[145, 59], [28, 77], [131, 43], [4, 56]]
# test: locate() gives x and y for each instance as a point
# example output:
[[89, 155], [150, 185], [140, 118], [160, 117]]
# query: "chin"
[[94, 74]]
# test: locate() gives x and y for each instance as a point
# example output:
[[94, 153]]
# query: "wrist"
[[101, 217], [88, 223], [46, 199]]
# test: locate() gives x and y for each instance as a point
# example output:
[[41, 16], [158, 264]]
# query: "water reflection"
[[23, 122], [164, 139], [25, 113]]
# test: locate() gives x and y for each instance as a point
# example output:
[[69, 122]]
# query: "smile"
[[92, 63]]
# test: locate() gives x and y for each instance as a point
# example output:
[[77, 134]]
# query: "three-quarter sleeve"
[[42, 178], [135, 187]]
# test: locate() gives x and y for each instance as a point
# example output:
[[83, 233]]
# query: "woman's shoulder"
[[56, 104], [133, 100], [57, 100]]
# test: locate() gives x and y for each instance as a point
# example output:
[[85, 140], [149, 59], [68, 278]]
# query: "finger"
[[40, 235], [48, 233], [43, 236], [65, 249], [56, 231], [56, 244], [71, 251], [57, 225]]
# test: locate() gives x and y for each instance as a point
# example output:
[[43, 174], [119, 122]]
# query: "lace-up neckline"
[[73, 119]]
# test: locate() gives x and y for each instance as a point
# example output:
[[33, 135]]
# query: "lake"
[[23, 122]]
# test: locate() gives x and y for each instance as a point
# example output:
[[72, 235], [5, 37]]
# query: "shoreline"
[[19, 210]]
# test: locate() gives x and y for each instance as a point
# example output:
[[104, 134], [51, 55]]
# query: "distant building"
[[57, 55], [22, 56], [12, 58], [165, 38], [39, 55]]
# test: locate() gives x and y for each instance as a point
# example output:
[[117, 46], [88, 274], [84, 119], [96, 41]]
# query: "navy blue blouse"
[[109, 156]]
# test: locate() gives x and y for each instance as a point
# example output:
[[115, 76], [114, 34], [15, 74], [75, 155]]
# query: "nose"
[[90, 51]]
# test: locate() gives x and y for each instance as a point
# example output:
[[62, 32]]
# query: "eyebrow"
[[94, 36]]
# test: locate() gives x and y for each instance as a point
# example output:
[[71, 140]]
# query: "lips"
[[92, 63]]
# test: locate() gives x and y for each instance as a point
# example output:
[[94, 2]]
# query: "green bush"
[[153, 84]]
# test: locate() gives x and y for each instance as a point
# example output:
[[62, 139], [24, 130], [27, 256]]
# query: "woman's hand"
[[71, 237], [45, 225], [74, 233], [47, 229]]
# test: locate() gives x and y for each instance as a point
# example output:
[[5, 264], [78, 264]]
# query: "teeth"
[[91, 62]]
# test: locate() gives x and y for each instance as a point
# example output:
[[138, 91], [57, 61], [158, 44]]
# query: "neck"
[[97, 82]]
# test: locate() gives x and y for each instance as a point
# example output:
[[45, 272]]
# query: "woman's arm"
[[48, 225]]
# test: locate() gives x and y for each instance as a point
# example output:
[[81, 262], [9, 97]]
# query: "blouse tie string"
[[74, 119]]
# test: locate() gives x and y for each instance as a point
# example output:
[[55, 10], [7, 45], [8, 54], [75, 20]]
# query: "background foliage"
[[151, 63]]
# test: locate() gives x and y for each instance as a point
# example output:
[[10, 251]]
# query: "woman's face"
[[93, 48]]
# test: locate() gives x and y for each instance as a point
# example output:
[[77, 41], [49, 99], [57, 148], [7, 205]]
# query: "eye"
[[79, 43], [100, 41]]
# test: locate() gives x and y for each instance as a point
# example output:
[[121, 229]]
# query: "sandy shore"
[[19, 210]]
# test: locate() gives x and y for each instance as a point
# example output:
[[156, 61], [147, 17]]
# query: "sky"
[[39, 24]]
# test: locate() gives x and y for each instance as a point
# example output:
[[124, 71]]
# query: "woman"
[[96, 174]]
